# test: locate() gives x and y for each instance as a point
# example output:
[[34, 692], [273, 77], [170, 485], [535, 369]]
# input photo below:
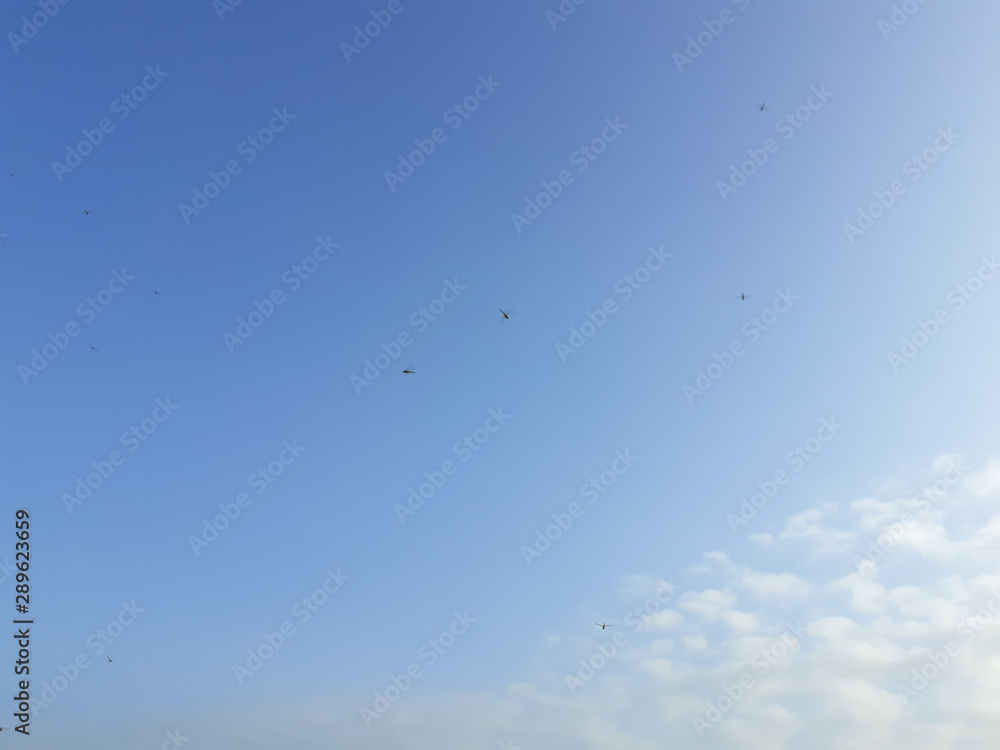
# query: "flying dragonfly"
[[409, 370], [86, 212], [603, 625], [506, 314], [744, 297], [109, 658], [94, 348], [762, 107]]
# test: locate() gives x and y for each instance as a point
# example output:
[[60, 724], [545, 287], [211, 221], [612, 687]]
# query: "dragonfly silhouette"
[[86, 212], [603, 625], [744, 297], [506, 314], [762, 107], [409, 370]]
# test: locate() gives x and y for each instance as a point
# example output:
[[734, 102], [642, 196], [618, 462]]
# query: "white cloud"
[[665, 619], [833, 686], [710, 603], [741, 622], [695, 642], [826, 541], [874, 513], [984, 482], [779, 587]]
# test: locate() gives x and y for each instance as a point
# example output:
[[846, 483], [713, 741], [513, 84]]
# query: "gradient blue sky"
[[333, 507]]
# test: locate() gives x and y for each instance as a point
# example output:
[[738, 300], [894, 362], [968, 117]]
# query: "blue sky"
[[849, 102]]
